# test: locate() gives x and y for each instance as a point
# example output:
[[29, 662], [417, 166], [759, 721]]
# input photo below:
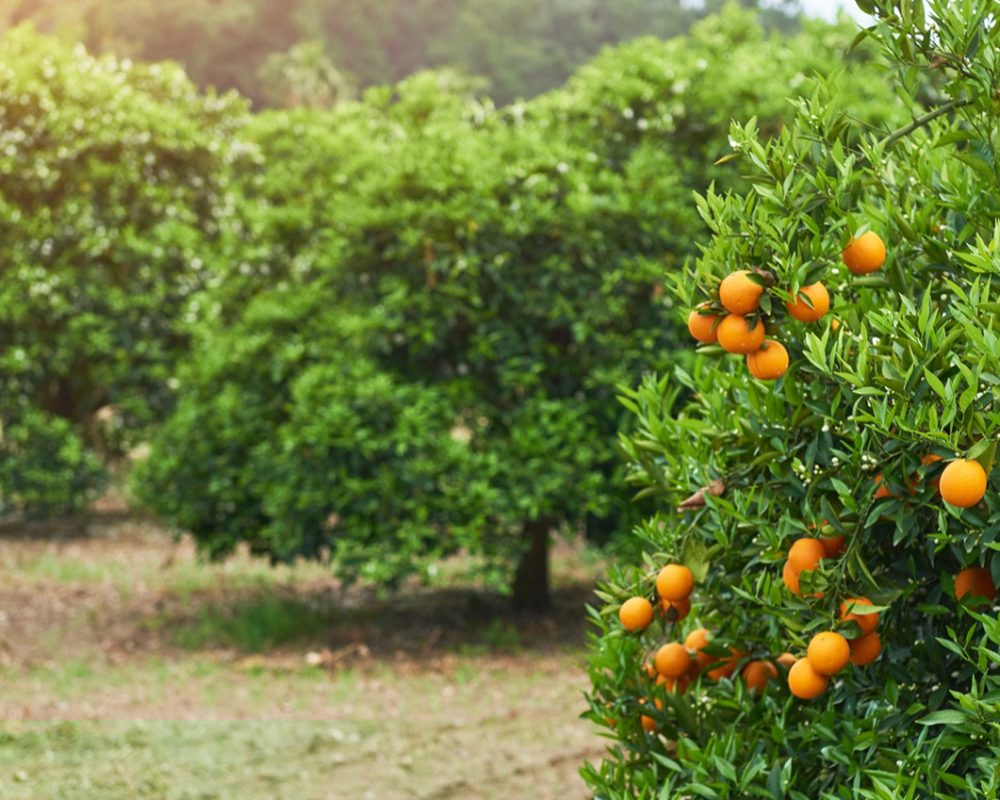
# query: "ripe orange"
[[786, 660], [805, 682], [702, 326], [675, 610], [828, 652], [790, 577], [725, 667], [865, 649], [648, 723], [672, 660], [806, 554], [963, 483], [881, 490], [865, 254], [756, 675], [674, 582], [975, 582], [867, 622], [816, 294], [696, 641], [739, 293], [636, 613], [835, 325], [927, 460], [833, 545], [736, 335], [678, 685], [770, 362]]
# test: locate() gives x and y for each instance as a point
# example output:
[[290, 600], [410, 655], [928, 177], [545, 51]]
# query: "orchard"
[[826, 510]]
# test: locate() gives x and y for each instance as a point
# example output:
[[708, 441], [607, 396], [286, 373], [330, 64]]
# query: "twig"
[[697, 500], [926, 119]]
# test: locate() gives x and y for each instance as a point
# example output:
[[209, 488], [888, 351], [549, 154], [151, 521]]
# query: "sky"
[[828, 8]]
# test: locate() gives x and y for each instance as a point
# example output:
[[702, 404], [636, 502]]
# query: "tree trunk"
[[531, 581]]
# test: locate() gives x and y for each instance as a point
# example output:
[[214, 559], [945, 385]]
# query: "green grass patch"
[[254, 626]]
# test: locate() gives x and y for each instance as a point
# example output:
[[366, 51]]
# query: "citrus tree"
[[508, 262], [113, 191], [814, 615]]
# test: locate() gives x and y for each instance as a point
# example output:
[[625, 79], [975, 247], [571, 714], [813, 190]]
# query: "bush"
[[843, 445], [514, 268], [288, 437], [45, 468], [114, 189]]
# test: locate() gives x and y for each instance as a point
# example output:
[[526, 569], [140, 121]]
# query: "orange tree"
[[834, 508]]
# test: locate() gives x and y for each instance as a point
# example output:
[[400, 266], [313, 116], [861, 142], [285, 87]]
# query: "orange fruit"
[[790, 577], [672, 660], [678, 685], [963, 483], [881, 490], [648, 723], [736, 335], [805, 682], [864, 254], [786, 660], [696, 641], [675, 610], [828, 652], [636, 613], [865, 649], [806, 554], [816, 294], [702, 326], [975, 582], [768, 363], [867, 622], [674, 582], [835, 325], [739, 293], [833, 545], [927, 460], [756, 675], [725, 667]]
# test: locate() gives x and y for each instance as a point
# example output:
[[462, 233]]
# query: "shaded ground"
[[132, 670]]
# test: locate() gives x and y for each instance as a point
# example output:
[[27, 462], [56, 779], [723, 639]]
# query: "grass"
[[259, 624], [174, 760], [134, 671]]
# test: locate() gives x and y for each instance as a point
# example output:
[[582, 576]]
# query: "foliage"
[[44, 465], [287, 437], [304, 76], [912, 370], [521, 47], [512, 263], [114, 188]]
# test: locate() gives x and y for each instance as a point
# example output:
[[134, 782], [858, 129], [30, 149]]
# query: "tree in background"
[[831, 497], [303, 76], [505, 265], [114, 189], [522, 47]]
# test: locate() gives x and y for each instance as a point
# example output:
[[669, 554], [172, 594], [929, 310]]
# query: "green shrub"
[[44, 466], [911, 371], [114, 187], [288, 437]]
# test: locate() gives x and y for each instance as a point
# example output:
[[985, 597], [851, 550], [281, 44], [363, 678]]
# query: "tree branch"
[[926, 119], [697, 500]]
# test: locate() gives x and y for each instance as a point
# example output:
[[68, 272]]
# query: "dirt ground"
[[131, 669]]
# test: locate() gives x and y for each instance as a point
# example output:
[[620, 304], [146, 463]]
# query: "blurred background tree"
[[522, 47]]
